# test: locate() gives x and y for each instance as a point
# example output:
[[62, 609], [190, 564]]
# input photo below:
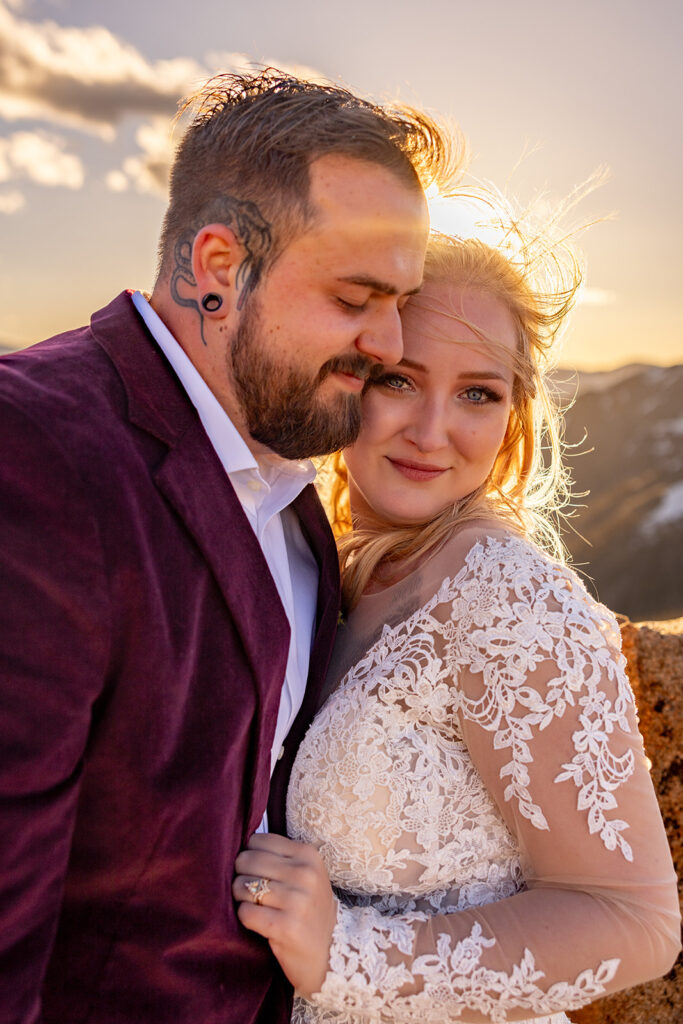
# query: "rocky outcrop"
[[654, 651]]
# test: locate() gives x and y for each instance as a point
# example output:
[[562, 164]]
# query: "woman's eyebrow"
[[411, 364], [485, 375]]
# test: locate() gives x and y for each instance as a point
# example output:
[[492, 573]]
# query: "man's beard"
[[282, 405]]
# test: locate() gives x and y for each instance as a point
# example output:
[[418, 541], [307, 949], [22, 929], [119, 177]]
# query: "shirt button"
[[254, 485], [281, 753]]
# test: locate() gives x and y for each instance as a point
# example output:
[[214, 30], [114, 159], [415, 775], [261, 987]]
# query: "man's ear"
[[216, 258]]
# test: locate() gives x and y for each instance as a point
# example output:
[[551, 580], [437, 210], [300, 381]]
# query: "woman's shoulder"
[[496, 557], [505, 594], [488, 542]]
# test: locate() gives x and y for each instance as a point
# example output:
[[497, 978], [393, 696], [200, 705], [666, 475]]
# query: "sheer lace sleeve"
[[539, 696]]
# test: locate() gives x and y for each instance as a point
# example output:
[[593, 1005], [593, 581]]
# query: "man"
[[168, 582]]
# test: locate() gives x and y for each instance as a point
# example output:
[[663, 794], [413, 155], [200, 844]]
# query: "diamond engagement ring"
[[258, 888]]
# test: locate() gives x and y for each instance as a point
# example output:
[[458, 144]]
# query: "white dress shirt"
[[265, 488]]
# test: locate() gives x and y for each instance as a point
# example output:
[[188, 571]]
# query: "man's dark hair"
[[244, 159]]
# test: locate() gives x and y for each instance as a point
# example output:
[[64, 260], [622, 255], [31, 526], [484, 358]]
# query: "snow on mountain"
[[669, 509], [625, 432]]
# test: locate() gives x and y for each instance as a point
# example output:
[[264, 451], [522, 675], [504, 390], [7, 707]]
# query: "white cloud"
[[90, 79], [116, 181], [85, 77], [240, 62], [148, 171], [11, 202], [41, 158], [141, 178]]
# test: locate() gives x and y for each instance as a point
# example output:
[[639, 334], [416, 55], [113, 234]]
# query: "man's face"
[[327, 311]]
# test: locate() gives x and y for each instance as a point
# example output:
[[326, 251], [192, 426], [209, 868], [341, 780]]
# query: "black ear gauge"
[[211, 302]]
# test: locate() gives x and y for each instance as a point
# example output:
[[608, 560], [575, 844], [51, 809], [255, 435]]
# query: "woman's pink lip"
[[417, 470]]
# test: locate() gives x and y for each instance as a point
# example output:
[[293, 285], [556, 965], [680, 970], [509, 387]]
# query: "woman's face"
[[433, 424]]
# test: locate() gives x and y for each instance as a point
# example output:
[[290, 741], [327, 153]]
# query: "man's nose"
[[382, 340]]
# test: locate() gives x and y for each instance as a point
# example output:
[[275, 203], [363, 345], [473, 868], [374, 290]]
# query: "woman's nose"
[[429, 430]]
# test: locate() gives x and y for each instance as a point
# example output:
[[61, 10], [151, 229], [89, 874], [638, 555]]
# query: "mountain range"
[[624, 433]]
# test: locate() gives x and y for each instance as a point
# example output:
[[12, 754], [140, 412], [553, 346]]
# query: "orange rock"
[[654, 651]]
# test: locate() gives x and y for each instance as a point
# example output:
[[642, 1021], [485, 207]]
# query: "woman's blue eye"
[[481, 396]]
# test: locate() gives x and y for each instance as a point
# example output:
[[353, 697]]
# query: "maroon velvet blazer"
[[142, 652]]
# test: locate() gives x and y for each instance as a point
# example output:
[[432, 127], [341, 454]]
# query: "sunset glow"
[[88, 91]]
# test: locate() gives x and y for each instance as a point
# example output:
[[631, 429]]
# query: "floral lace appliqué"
[[384, 785], [517, 635], [455, 980]]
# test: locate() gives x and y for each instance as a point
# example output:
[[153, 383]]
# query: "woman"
[[474, 786]]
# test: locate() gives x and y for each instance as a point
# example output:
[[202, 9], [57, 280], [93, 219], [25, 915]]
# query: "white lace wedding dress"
[[473, 783]]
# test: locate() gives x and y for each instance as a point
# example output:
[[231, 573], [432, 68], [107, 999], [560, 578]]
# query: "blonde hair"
[[528, 487]]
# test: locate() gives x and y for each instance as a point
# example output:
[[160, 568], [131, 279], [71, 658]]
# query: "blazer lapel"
[[192, 478], [319, 535], [214, 516]]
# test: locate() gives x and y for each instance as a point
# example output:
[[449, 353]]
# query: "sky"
[[545, 92]]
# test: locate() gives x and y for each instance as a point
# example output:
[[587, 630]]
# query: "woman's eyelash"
[[395, 381], [400, 382], [489, 394]]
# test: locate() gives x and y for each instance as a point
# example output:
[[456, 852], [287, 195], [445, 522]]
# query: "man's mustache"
[[356, 366]]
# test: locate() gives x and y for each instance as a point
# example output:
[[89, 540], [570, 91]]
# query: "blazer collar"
[[191, 477], [157, 401], [319, 535]]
